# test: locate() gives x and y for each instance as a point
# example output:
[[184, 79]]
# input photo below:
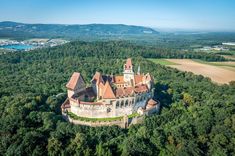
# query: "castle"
[[111, 96]]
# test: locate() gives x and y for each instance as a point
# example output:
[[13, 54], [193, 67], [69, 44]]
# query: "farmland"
[[219, 72]]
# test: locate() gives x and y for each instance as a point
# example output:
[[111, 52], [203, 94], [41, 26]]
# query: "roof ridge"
[[73, 80]]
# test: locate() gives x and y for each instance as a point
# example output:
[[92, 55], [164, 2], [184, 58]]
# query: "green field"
[[224, 64], [162, 61]]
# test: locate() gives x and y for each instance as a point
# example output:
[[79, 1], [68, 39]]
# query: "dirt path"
[[216, 73]]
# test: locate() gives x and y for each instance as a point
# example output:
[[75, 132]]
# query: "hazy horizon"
[[192, 15]]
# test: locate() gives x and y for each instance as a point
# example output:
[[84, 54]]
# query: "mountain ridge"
[[15, 29]]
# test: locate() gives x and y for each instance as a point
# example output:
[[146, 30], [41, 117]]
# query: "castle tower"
[[128, 72], [75, 84], [98, 84]]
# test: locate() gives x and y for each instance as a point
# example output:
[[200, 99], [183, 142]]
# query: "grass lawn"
[[73, 116], [162, 61]]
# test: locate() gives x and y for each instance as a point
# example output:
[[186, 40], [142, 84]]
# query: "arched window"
[[133, 101], [144, 97], [122, 103], [117, 104], [126, 103], [86, 98]]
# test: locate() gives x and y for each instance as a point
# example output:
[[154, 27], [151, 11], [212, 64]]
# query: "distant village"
[[225, 46], [30, 44]]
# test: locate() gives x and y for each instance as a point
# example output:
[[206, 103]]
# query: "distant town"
[[223, 47], [30, 44]]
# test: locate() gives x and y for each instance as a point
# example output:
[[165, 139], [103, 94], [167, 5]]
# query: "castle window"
[[117, 104], [86, 98], [122, 103], [137, 99], [126, 103]]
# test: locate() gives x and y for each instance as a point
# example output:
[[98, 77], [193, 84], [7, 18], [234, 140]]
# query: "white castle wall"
[[111, 107], [91, 111]]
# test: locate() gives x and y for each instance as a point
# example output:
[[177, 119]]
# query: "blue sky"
[[175, 14]]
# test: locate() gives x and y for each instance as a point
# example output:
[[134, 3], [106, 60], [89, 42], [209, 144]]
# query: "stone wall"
[[123, 123], [110, 107]]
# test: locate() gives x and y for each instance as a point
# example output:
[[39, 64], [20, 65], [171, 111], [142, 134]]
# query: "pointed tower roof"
[[108, 92], [73, 80], [128, 64], [98, 78]]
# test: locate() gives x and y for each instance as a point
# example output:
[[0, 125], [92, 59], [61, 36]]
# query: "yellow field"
[[218, 73]]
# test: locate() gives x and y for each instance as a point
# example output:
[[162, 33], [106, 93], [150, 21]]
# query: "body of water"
[[18, 47]]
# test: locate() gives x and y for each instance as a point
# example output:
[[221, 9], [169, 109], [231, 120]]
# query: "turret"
[[75, 84], [97, 84], [128, 72]]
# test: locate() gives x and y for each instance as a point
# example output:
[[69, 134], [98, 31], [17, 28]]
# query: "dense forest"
[[197, 116], [108, 49]]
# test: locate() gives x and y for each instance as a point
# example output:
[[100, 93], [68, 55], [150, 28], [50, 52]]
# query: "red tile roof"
[[66, 104], [138, 79], [73, 80], [120, 92], [152, 102], [141, 88], [118, 79], [127, 91], [108, 92]]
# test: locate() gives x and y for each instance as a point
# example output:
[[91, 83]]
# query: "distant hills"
[[21, 30]]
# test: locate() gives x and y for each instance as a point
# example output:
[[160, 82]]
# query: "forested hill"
[[109, 49], [197, 116], [19, 30]]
